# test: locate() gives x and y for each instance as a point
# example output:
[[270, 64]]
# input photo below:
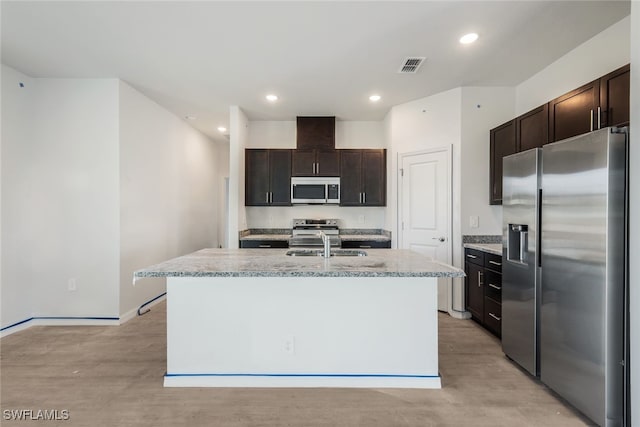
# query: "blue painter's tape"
[[58, 318], [149, 302], [306, 375], [17, 323]]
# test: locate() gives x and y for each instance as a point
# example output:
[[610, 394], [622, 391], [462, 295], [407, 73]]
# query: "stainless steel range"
[[306, 233]]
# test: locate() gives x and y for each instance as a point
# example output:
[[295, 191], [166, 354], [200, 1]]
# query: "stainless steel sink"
[[318, 252]]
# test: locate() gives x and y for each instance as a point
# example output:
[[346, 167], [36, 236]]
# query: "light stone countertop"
[[374, 237], [274, 263], [492, 248], [266, 237]]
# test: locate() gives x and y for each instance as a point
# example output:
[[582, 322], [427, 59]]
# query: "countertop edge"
[[491, 248]]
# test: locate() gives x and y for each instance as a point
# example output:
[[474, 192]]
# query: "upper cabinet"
[[316, 133], [315, 163], [363, 177], [532, 128], [267, 177], [575, 112], [502, 143], [614, 97], [602, 103]]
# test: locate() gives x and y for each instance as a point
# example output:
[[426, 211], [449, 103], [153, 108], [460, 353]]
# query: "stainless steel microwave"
[[315, 190]]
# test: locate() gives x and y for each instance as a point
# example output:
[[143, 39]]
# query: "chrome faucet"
[[326, 242]]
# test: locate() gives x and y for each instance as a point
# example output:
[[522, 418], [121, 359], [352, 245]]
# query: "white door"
[[424, 212]]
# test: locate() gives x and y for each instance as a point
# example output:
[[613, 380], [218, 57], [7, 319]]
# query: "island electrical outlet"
[[290, 344]]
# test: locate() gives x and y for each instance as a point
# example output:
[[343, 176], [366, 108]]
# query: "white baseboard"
[[459, 315], [59, 321]]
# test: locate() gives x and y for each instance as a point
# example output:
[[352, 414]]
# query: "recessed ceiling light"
[[190, 117], [468, 38], [271, 98], [222, 128], [374, 98]]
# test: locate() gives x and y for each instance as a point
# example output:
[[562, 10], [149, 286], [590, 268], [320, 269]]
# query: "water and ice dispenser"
[[517, 243]]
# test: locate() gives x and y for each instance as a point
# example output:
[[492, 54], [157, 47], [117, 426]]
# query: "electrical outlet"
[[474, 221], [271, 220], [290, 344], [71, 285], [360, 219]]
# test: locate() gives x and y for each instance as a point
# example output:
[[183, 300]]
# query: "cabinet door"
[[614, 98], [328, 163], [502, 143], [280, 177], [316, 132], [350, 177], [374, 182], [475, 290], [532, 129], [302, 162], [574, 113], [256, 178]]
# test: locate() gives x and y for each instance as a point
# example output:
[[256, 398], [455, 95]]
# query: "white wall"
[[603, 53], [238, 141], [483, 108], [70, 223], [17, 134], [634, 172], [349, 134], [282, 134], [169, 188]]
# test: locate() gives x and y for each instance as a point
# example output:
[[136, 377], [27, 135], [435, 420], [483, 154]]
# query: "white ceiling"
[[320, 58]]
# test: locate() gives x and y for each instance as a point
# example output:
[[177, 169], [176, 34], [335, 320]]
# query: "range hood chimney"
[[315, 132]]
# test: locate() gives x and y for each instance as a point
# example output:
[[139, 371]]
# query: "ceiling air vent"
[[411, 64]]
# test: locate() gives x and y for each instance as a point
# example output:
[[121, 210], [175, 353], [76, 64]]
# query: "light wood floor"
[[112, 376]]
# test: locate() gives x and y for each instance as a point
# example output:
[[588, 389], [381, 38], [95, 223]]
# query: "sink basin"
[[318, 252]]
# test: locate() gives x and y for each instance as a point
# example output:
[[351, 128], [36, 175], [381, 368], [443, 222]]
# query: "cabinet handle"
[[599, 118], [495, 317], [480, 278], [270, 197], [317, 168], [365, 246], [360, 195], [495, 287], [264, 246], [266, 197], [495, 263], [591, 118], [364, 198], [471, 256]]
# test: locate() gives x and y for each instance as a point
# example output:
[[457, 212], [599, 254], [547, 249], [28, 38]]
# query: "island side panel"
[[302, 332]]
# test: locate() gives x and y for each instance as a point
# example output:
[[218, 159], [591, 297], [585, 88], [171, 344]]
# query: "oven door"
[[308, 193]]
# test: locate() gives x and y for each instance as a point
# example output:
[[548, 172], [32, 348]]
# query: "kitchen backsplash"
[[481, 239], [282, 217]]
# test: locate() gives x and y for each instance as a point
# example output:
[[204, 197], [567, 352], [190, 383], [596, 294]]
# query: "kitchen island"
[[260, 318]]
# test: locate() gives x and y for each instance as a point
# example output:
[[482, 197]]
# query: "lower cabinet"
[[366, 244], [483, 290], [265, 244]]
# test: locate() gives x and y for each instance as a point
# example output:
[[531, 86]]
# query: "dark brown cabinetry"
[[614, 97], [363, 177], [575, 112], [532, 129], [484, 288], [502, 143], [366, 244], [267, 177], [316, 132], [315, 163], [264, 244], [601, 103]]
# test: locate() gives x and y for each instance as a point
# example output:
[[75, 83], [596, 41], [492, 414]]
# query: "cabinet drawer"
[[364, 244], [265, 244], [493, 285], [493, 262], [493, 316], [474, 256]]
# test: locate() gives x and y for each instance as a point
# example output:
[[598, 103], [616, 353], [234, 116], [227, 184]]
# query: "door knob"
[[442, 239]]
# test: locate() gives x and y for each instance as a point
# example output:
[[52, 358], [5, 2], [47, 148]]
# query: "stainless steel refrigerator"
[[564, 235]]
